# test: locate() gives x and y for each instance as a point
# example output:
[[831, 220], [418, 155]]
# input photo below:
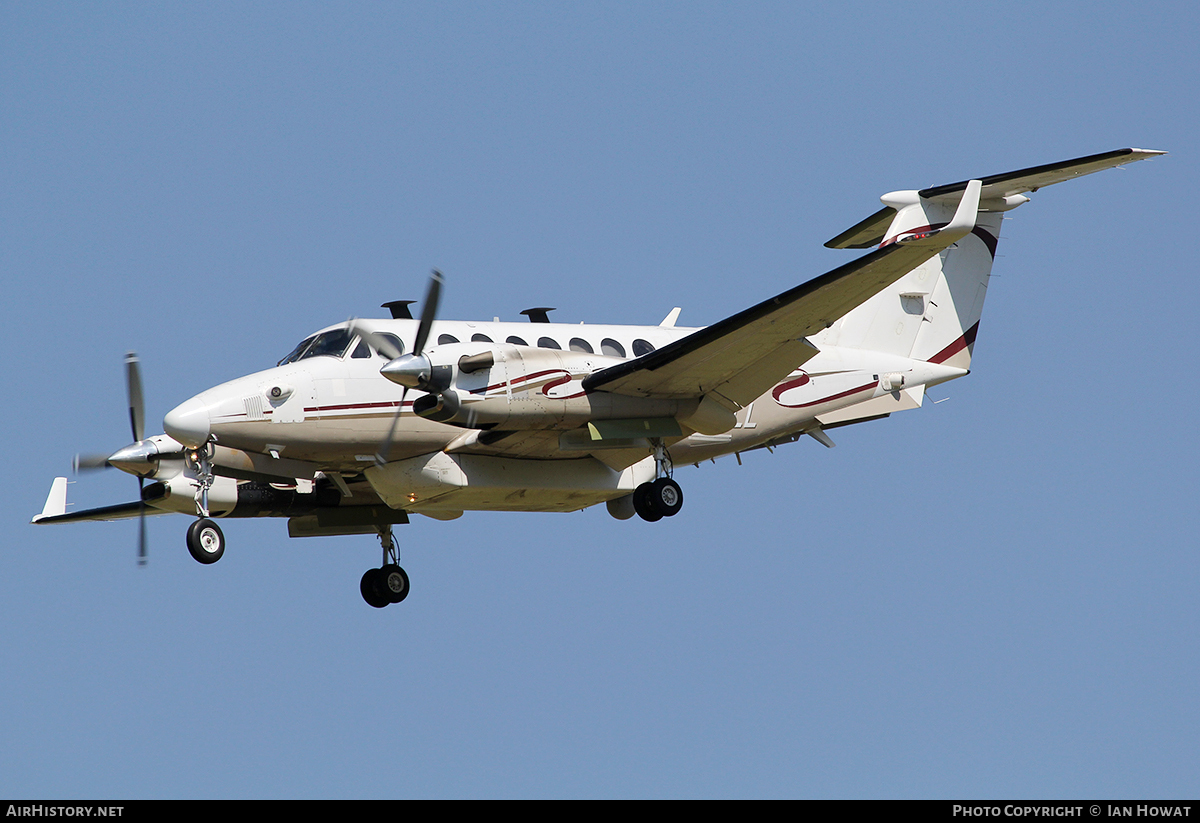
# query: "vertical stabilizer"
[[932, 312]]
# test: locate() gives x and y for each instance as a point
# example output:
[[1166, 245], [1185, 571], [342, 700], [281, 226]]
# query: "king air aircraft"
[[367, 422]]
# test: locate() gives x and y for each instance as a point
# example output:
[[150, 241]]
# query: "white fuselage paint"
[[335, 411]]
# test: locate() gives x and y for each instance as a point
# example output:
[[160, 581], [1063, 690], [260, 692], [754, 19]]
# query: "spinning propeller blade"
[[137, 454], [89, 462], [133, 387], [428, 310], [142, 553]]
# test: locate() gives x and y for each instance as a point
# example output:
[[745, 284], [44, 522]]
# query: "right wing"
[[742, 356]]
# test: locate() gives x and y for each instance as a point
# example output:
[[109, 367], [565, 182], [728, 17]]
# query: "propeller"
[[134, 457], [411, 371]]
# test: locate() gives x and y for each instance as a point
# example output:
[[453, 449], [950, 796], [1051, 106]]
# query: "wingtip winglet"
[[967, 211], [56, 501]]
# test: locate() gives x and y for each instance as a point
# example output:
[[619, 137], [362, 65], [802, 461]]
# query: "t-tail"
[[932, 313]]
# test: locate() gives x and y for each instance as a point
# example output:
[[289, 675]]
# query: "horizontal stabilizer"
[[871, 231]]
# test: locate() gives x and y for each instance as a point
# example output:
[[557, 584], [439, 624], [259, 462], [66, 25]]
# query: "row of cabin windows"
[[334, 344], [608, 346]]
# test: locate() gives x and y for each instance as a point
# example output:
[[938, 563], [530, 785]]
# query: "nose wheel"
[[205, 541], [389, 583]]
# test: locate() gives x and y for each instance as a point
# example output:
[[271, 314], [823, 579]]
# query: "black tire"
[[371, 587], [205, 541], [393, 583], [667, 496], [644, 503]]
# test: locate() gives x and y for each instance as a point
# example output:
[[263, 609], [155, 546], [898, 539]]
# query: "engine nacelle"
[[520, 387], [524, 388], [179, 494]]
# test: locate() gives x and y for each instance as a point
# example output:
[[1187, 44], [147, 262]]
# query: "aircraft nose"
[[189, 423]]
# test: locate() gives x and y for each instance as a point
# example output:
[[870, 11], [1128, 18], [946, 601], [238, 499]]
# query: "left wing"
[[55, 510], [742, 356]]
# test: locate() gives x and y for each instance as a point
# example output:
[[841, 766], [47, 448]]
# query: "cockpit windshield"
[[332, 343]]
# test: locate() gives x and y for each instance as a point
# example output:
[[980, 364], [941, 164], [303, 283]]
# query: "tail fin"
[[933, 312]]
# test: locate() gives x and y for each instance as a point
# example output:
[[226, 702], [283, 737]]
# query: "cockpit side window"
[[298, 351], [332, 343], [394, 340]]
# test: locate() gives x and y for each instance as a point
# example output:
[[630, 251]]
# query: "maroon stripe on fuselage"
[[838, 396]]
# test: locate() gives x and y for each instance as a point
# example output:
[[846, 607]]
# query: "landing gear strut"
[[205, 541], [389, 583], [662, 496]]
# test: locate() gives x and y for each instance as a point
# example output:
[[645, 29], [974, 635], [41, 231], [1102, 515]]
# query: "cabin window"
[[641, 347], [443, 339], [612, 348], [548, 343], [579, 344], [516, 341], [480, 338]]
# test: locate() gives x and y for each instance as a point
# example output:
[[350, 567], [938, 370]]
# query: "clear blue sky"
[[997, 595]]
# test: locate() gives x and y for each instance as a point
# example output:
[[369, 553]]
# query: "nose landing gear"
[[205, 541]]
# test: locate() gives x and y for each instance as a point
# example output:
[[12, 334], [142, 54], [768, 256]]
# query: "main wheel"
[[667, 496], [644, 503], [371, 587], [394, 582], [205, 541]]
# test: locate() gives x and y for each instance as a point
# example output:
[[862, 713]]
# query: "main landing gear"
[[661, 497], [389, 583]]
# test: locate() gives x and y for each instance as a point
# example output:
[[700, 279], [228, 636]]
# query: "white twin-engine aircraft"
[[369, 421]]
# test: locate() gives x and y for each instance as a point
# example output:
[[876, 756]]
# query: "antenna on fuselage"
[[538, 315], [399, 309]]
